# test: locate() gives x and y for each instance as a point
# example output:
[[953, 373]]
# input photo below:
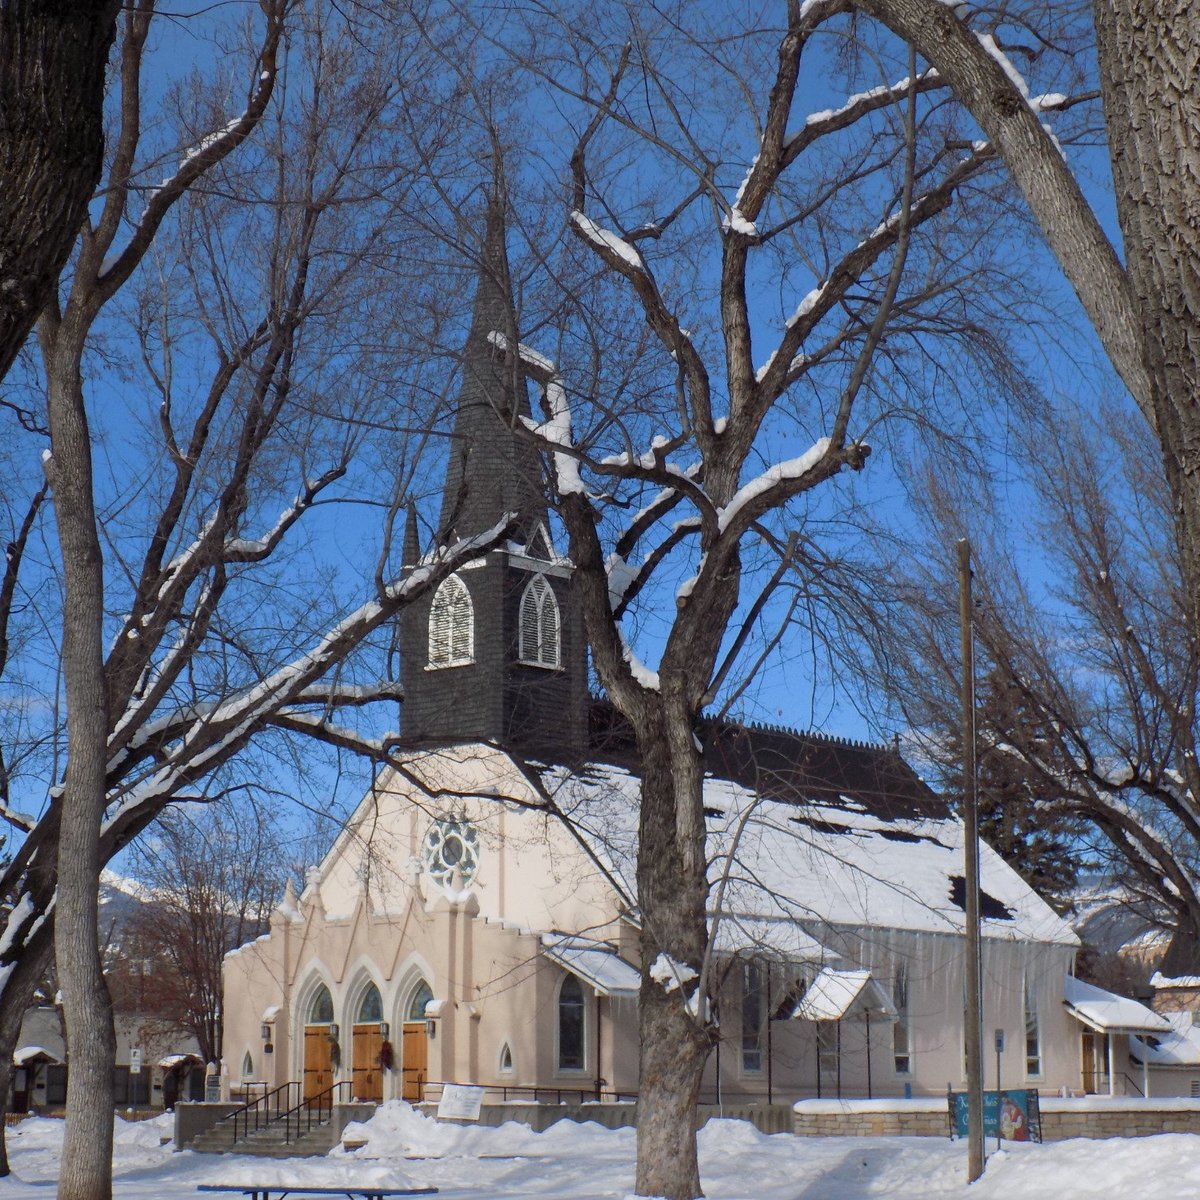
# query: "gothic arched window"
[[320, 1010], [420, 997], [451, 625], [570, 1025], [539, 629], [371, 1007]]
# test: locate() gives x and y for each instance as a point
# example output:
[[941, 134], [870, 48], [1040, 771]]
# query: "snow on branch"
[[832, 120], [246, 550], [209, 151], [556, 429], [613, 249], [774, 479], [204, 743]]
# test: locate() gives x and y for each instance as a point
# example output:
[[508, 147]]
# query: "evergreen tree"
[[1017, 813]]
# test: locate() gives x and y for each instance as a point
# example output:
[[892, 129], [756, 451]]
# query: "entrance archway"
[[367, 1044], [319, 1044]]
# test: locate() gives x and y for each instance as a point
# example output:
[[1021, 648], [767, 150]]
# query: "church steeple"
[[493, 467], [497, 653]]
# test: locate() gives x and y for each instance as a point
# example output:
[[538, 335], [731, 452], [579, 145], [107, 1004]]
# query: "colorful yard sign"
[[1012, 1114]]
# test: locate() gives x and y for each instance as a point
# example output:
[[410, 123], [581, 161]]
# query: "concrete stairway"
[[268, 1142]]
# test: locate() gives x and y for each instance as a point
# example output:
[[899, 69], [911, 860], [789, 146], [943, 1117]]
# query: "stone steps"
[[267, 1143]]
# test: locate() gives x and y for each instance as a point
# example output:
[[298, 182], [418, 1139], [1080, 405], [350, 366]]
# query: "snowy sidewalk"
[[586, 1162]]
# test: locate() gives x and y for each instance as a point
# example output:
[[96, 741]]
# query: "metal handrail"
[[312, 1111], [256, 1114], [537, 1094]]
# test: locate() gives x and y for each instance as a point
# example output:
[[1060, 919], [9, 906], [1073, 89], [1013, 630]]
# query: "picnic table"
[[368, 1191]]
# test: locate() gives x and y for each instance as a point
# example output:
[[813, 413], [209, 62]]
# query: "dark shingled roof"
[[790, 766]]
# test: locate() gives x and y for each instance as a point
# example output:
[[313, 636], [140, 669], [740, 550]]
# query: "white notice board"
[[460, 1102]]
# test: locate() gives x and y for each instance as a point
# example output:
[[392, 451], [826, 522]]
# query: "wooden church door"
[[318, 1060], [368, 1078], [415, 1061]]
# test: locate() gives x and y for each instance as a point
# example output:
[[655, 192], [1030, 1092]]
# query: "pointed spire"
[[493, 468], [412, 541]]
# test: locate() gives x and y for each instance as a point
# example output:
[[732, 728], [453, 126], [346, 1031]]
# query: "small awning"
[[31, 1055], [600, 967], [834, 995], [270, 1012], [1106, 1012], [1179, 1048], [177, 1060]]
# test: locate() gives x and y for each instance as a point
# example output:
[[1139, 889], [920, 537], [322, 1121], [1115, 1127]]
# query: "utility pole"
[[973, 1034]]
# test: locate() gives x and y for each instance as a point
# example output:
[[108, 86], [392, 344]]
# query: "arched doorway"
[[415, 1047], [320, 1044], [368, 1042]]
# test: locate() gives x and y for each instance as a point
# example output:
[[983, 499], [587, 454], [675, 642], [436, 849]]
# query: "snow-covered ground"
[[586, 1162]]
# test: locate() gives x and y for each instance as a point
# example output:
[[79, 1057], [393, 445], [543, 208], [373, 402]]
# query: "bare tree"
[[192, 617], [1142, 300], [693, 486], [213, 875], [1091, 638]]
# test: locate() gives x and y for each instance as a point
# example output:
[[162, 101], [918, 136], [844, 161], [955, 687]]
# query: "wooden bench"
[[280, 1190]]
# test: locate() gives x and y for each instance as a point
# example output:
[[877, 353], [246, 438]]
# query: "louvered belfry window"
[[451, 625], [539, 633]]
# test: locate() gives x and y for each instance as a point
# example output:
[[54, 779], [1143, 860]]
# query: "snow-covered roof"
[[28, 1053], [1109, 1013], [1178, 1048], [175, 1060], [774, 937], [596, 963], [1159, 980], [270, 1012], [833, 995], [832, 861]]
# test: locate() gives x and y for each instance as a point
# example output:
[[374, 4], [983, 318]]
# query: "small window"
[[539, 629], [451, 625], [1033, 1036], [752, 1014], [570, 1025], [247, 1066], [420, 998], [320, 1011], [506, 1059], [371, 1008]]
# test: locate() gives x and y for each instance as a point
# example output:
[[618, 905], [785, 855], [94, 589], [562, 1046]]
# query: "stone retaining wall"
[[1089, 1117]]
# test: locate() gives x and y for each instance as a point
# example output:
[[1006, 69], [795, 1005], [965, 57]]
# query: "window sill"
[[462, 662], [525, 662]]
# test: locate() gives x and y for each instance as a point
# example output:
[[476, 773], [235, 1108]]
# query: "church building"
[[476, 919]]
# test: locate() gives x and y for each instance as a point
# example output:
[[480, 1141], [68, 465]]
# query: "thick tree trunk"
[[1147, 56], [673, 892], [1183, 953], [53, 55], [86, 1169]]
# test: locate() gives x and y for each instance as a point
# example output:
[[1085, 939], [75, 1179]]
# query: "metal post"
[[974, 982], [999, 1089], [869, 1096], [770, 1064], [839, 1059]]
